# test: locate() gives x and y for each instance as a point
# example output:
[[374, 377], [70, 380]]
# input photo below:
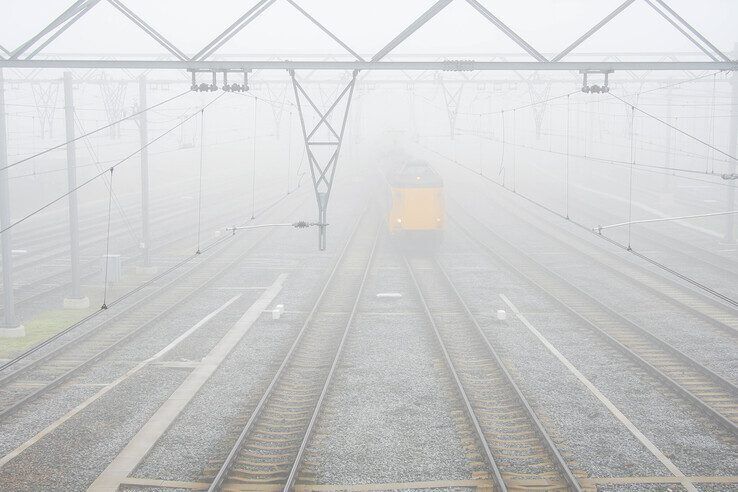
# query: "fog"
[[524, 279]]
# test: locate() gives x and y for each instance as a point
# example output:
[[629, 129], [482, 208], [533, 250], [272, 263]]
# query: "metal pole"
[[10, 323], [732, 149], [143, 127], [75, 299]]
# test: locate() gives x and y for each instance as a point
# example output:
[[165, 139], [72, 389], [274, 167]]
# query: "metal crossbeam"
[[419, 22], [62, 29], [683, 26], [596, 28], [447, 65], [322, 28], [323, 170], [508, 32], [62, 18], [169, 46], [253, 13], [203, 60], [57, 27], [70, 16]]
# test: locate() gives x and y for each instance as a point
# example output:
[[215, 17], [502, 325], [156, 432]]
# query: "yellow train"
[[417, 205]]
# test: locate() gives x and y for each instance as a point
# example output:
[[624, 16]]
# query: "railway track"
[[56, 247], [519, 452], [40, 289], [715, 312], [74, 353], [669, 243], [708, 391], [269, 450]]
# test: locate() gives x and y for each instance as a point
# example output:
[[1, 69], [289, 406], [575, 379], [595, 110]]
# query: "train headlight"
[[399, 221]]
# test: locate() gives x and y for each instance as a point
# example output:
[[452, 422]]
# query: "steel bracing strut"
[[322, 169], [26, 55]]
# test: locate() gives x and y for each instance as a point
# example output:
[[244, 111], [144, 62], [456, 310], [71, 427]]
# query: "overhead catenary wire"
[[566, 181], [108, 184], [501, 170], [253, 165], [675, 84], [630, 173], [199, 179], [144, 285], [689, 135], [98, 175], [727, 299], [611, 161], [107, 244], [711, 153], [515, 108], [601, 228], [610, 143], [97, 130]]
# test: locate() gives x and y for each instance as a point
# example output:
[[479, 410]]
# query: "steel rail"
[[230, 461], [550, 446], [43, 287], [40, 287], [459, 386], [696, 294], [329, 379], [721, 419], [118, 316]]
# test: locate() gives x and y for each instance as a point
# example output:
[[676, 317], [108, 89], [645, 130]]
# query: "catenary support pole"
[[732, 149], [75, 300], [143, 126], [10, 325]]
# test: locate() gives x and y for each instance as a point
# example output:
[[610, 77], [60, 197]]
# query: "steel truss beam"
[[447, 65], [323, 170], [203, 60]]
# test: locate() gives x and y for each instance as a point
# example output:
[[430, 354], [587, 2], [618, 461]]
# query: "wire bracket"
[[595, 89]]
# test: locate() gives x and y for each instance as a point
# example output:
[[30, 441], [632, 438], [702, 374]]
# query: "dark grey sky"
[[549, 25]]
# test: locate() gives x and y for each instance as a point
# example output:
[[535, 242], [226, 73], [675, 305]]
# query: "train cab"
[[417, 205]]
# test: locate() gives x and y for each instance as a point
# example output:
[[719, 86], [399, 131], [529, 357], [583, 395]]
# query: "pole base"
[[82, 303], [147, 270], [14, 332]]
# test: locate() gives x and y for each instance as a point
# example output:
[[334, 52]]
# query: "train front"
[[417, 211]]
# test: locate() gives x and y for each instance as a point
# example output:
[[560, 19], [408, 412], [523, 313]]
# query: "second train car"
[[417, 209]]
